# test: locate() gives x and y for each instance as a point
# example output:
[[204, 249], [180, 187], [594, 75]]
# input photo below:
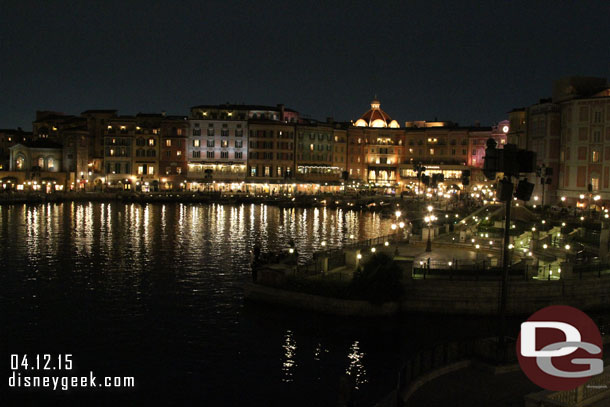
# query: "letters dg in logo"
[[560, 348]]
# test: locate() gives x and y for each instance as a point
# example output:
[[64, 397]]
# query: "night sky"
[[452, 60]]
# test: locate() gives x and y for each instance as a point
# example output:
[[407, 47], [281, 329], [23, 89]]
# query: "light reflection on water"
[[356, 366], [158, 288], [289, 363]]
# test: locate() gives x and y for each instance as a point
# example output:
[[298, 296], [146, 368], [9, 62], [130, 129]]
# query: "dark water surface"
[[155, 292]]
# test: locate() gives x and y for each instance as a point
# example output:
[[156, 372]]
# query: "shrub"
[[378, 280]]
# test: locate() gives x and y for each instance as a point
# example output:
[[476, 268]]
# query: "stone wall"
[[524, 297]]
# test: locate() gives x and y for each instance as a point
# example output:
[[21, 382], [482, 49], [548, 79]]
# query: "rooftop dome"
[[376, 117]]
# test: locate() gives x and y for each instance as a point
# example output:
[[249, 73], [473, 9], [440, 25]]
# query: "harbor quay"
[[449, 268]]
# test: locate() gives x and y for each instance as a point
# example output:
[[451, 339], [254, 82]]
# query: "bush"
[[378, 280]]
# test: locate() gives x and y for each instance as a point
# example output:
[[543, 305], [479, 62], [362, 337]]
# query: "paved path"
[[474, 387]]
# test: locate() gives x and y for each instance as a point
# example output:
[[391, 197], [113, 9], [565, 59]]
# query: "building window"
[[41, 162], [196, 143], [238, 154], [151, 141], [239, 133], [50, 163], [238, 144], [267, 171], [168, 170], [224, 143], [151, 170], [595, 183], [210, 154], [179, 153], [595, 156], [431, 151], [168, 143], [253, 171], [224, 132], [168, 153], [178, 132], [179, 170], [211, 131], [211, 143], [196, 154], [140, 169], [224, 154]]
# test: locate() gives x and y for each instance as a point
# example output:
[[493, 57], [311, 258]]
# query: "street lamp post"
[[429, 220]]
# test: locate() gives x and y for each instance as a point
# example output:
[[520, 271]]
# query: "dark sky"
[[454, 60]]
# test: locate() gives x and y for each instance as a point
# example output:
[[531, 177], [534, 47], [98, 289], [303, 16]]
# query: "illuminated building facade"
[[173, 152], [271, 157], [8, 138], [477, 141], [570, 134], [217, 148], [314, 154], [340, 148], [585, 145]]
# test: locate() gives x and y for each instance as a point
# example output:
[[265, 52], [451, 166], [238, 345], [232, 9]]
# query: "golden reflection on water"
[[289, 362], [356, 368]]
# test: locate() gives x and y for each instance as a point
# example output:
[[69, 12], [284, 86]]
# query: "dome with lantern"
[[375, 117]]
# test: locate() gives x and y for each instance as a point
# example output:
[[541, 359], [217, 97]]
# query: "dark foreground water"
[[155, 292]]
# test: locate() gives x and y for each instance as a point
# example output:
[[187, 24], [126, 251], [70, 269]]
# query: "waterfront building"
[[314, 156], [442, 147], [218, 146], [118, 152], [173, 152], [585, 140], [271, 157], [97, 124], [8, 138], [375, 148], [340, 147], [145, 133], [35, 165], [570, 134]]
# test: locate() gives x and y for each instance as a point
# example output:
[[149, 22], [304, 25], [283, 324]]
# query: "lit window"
[[151, 170], [151, 141], [595, 183], [41, 162], [431, 151], [168, 143], [179, 153], [50, 163], [140, 169], [196, 143], [595, 156]]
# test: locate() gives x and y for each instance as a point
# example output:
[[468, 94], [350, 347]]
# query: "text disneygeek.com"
[[24, 368]]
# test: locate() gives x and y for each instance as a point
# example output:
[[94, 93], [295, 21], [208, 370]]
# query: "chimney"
[[330, 120], [280, 106]]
